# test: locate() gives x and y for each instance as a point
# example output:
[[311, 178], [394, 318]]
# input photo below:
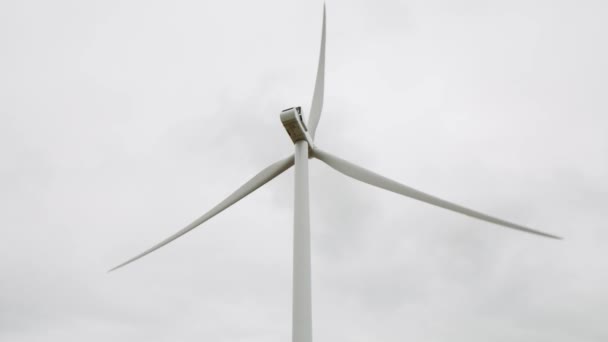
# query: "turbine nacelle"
[[294, 124]]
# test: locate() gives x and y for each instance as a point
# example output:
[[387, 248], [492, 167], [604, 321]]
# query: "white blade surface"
[[317, 99], [375, 179], [257, 181]]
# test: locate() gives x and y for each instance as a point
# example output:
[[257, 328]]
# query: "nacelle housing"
[[294, 124]]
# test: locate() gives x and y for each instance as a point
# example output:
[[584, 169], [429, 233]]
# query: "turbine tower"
[[305, 148]]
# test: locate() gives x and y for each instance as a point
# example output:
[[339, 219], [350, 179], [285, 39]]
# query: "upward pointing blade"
[[257, 181], [317, 99], [375, 179]]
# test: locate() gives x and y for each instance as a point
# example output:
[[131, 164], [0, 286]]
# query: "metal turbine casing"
[[294, 124]]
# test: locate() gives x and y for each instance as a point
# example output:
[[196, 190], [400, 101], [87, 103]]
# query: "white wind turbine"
[[305, 148]]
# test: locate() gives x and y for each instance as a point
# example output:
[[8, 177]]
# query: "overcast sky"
[[121, 121]]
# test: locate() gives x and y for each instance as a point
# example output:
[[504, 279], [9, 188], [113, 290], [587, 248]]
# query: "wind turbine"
[[305, 148]]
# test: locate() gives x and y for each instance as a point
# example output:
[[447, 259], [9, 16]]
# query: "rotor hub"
[[294, 125]]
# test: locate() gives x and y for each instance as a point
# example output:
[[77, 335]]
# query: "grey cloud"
[[122, 121]]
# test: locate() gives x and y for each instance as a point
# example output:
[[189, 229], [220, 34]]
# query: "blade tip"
[[112, 269], [119, 266], [555, 237]]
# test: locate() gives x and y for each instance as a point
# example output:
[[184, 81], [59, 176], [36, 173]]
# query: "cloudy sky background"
[[121, 121]]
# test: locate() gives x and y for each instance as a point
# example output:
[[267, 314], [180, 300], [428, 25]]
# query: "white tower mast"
[[302, 307]]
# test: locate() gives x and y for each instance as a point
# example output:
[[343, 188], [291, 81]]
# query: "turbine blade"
[[375, 179], [257, 181], [317, 99]]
